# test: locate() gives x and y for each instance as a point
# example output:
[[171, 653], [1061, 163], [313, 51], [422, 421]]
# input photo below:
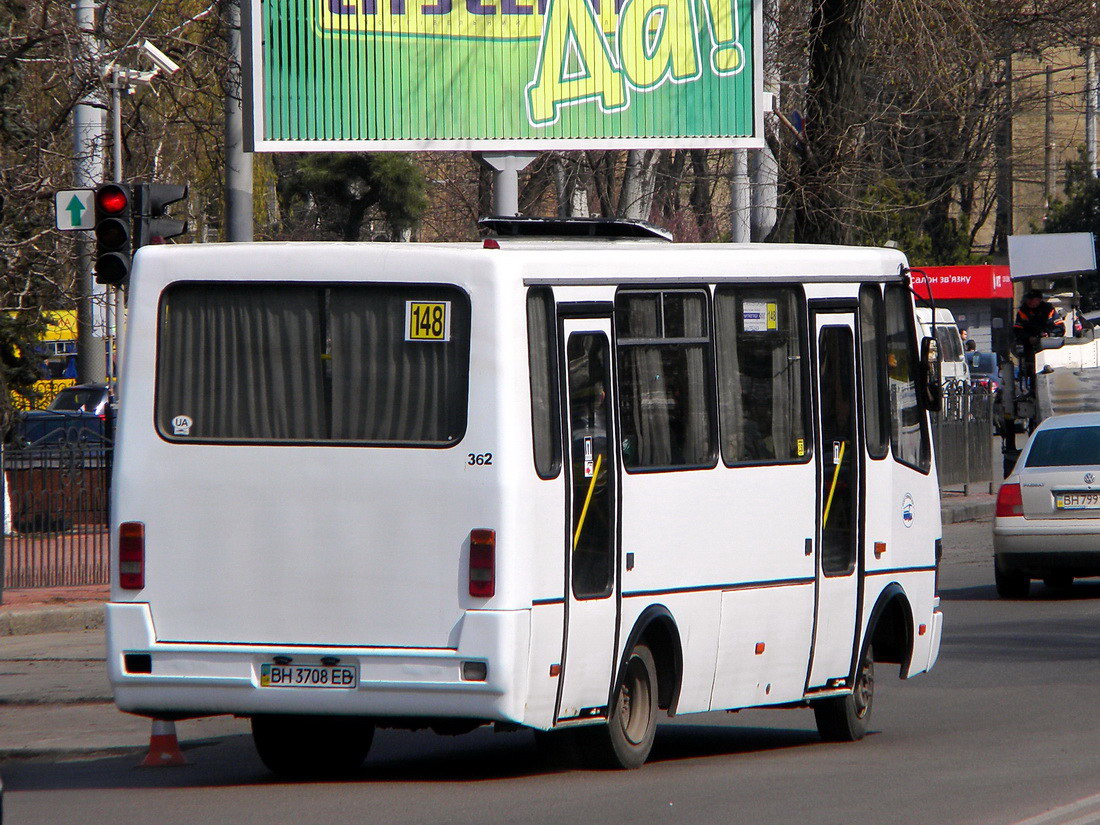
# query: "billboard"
[[501, 75]]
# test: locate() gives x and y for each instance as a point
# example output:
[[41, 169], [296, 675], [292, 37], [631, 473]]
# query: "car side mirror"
[[1052, 343], [929, 386]]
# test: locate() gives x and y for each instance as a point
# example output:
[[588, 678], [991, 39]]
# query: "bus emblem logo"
[[1089, 478], [907, 510], [181, 425]]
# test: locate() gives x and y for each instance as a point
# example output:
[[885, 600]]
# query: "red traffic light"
[[112, 199]]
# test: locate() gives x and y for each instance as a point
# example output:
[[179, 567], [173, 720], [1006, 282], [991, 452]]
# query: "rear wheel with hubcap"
[[626, 740], [845, 718], [312, 746]]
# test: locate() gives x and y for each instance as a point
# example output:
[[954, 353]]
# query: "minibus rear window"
[[330, 363]]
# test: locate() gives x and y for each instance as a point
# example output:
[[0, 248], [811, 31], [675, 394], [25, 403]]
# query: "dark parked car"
[[84, 414]]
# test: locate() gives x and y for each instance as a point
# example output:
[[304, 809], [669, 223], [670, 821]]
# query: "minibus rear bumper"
[[202, 679]]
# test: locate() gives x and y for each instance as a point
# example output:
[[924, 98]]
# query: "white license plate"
[[309, 676], [1077, 501]]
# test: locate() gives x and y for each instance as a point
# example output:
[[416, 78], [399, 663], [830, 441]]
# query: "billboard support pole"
[[506, 167]]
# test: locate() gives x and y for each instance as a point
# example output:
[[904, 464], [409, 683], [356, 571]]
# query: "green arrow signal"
[[75, 210]]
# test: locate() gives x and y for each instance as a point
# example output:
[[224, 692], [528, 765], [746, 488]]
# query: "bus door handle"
[[809, 547]]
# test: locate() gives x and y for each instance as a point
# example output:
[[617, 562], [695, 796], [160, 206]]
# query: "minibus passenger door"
[[591, 546], [838, 574]]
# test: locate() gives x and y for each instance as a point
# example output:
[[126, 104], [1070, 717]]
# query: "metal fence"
[[963, 435], [55, 507]]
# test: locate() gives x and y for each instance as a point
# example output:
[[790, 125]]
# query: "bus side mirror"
[[930, 389]]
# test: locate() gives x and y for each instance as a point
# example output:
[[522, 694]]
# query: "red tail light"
[[1009, 501], [131, 555], [483, 574]]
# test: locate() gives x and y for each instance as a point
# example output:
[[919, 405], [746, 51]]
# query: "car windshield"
[[1065, 447], [77, 400]]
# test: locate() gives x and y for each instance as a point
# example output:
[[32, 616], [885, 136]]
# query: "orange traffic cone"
[[164, 747]]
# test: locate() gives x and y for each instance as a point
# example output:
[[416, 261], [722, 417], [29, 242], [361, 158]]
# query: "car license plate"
[[1077, 501], [309, 676]]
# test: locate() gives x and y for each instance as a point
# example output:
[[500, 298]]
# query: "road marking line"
[[1065, 810], [1091, 819]]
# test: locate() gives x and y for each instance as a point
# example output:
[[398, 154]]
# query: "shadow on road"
[[694, 741], [1079, 591], [398, 757]]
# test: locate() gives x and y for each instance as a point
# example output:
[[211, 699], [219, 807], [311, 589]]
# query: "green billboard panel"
[[502, 74]]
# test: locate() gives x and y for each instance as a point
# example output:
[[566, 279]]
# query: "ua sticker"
[[907, 510], [181, 425]]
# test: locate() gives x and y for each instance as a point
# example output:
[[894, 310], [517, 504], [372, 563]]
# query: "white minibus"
[[567, 485], [953, 364]]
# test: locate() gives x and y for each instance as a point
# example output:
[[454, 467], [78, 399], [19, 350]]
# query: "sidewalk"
[[956, 507], [52, 609], [56, 704]]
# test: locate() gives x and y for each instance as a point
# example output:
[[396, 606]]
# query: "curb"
[[29, 754], [954, 513], [51, 619], [32, 754]]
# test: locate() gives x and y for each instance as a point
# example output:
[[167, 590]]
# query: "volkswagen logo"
[[1089, 478]]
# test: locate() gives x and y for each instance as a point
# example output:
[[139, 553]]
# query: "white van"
[[953, 364], [560, 485]]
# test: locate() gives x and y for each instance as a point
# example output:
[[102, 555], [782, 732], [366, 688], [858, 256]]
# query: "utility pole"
[[238, 163], [740, 198], [1048, 143], [88, 142], [1090, 107], [763, 167], [1002, 224]]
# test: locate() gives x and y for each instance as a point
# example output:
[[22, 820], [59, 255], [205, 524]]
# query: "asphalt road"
[[1004, 730]]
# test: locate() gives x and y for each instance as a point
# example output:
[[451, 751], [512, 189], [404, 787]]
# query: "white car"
[[1047, 522]]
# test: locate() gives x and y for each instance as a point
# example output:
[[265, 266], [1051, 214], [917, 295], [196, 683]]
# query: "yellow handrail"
[[836, 475], [587, 500]]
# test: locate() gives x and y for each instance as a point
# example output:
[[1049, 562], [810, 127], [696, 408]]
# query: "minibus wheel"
[[845, 718], [627, 738], [312, 746]]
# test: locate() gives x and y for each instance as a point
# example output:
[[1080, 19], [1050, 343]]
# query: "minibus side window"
[[542, 355], [872, 357], [761, 376], [666, 377], [908, 424]]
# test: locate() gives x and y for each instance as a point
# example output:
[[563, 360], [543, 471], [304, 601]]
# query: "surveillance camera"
[[162, 61]]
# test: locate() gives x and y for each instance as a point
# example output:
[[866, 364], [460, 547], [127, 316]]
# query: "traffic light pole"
[[116, 157], [88, 140]]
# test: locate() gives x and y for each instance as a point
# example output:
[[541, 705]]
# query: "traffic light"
[[152, 224], [112, 233]]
